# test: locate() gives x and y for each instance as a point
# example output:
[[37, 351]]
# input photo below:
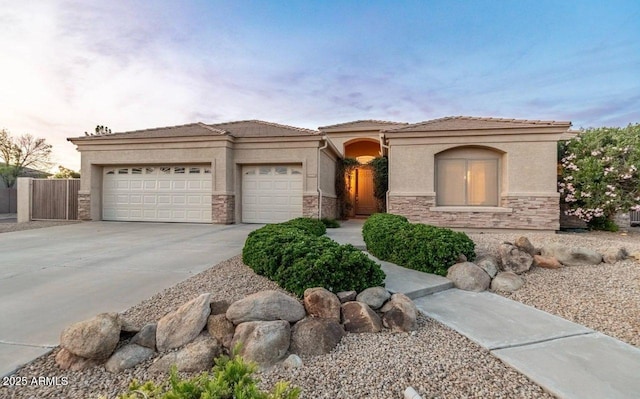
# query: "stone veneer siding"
[[329, 207], [529, 212], [223, 209], [84, 206], [310, 206]]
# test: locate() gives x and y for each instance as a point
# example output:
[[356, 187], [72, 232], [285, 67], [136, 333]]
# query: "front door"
[[365, 201]]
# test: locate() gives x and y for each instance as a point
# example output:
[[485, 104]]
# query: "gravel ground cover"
[[6, 227], [603, 297], [435, 360]]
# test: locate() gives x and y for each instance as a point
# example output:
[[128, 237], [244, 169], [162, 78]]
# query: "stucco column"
[[24, 199]]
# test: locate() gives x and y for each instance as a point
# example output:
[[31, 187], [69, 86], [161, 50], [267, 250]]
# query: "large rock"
[[184, 324], [266, 306], [375, 297], [199, 355], [514, 259], [525, 245], [489, 264], [507, 282], [68, 361], [469, 277], [320, 302], [219, 307], [127, 325], [346, 296], [146, 336], [546, 262], [221, 329], [572, 256], [613, 255], [128, 356], [264, 342], [357, 317], [315, 336], [95, 338], [400, 314]]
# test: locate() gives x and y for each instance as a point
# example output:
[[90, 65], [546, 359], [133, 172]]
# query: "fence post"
[[23, 199], [66, 202]]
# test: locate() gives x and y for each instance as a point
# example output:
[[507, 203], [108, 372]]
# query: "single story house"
[[461, 172]]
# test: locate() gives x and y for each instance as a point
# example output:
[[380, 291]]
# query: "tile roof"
[[474, 123], [256, 128], [363, 123], [191, 129]]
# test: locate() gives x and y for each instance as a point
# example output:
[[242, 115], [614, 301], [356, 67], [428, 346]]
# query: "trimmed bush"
[[417, 246], [379, 233], [311, 226], [330, 223], [297, 260]]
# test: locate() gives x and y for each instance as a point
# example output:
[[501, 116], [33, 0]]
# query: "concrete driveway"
[[52, 277]]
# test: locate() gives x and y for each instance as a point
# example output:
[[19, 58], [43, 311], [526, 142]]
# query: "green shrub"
[[430, 249], [229, 379], [379, 231], [311, 226], [330, 223], [297, 260], [417, 246]]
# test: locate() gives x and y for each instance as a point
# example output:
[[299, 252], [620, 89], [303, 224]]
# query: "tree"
[[64, 173], [19, 153], [600, 175]]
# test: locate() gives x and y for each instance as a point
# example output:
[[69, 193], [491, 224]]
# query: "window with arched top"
[[468, 176]]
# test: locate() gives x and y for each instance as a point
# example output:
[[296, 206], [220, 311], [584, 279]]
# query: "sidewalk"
[[566, 359]]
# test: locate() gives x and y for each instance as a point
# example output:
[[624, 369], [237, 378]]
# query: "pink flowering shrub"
[[600, 174]]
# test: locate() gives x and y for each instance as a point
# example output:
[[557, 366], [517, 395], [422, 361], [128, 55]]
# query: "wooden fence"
[[8, 200], [54, 199]]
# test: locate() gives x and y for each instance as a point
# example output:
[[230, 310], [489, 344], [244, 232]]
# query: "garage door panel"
[[271, 193], [165, 193]]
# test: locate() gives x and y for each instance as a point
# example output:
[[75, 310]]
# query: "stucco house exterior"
[[461, 172]]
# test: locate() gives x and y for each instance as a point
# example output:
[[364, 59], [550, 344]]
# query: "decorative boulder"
[[292, 362], [525, 245], [320, 302], [146, 336], [507, 281], [219, 307], [346, 296], [375, 297], [68, 361], [489, 264], [221, 329], [400, 314], [196, 356], [266, 306], [613, 255], [127, 325], [469, 277], [572, 256], [264, 342], [546, 262], [95, 338], [357, 317], [635, 256], [315, 336], [128, 356], [514, 259], [184, 324]]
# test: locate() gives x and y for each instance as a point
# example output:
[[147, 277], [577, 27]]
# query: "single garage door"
[[157, 193], [271, 193]]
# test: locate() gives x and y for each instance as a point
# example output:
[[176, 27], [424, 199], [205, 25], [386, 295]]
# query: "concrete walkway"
[[55, 276], [566, 359]]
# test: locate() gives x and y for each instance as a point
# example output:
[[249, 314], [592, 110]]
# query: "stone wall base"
[[223, 209], [310, 206], [84, 206], [329, 207], [528, 212]]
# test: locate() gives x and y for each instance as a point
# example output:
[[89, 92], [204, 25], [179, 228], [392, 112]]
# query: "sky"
[[67, 66]]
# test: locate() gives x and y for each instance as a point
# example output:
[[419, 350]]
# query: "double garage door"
[[182, 193], [157, 193]]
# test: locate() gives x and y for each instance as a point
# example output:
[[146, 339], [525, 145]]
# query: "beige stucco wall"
[[339, 139], [328, 174], [528, 166]]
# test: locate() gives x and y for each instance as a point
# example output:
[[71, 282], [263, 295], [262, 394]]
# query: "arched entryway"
[[360, 179]]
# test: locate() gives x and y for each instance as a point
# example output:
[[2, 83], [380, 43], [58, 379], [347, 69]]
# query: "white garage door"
[[157, 193], [271, 193]]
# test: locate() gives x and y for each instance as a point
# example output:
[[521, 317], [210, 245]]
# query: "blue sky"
[[69, 65]]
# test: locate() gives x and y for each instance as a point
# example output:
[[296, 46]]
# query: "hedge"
[[416, 246], [289, 254]]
